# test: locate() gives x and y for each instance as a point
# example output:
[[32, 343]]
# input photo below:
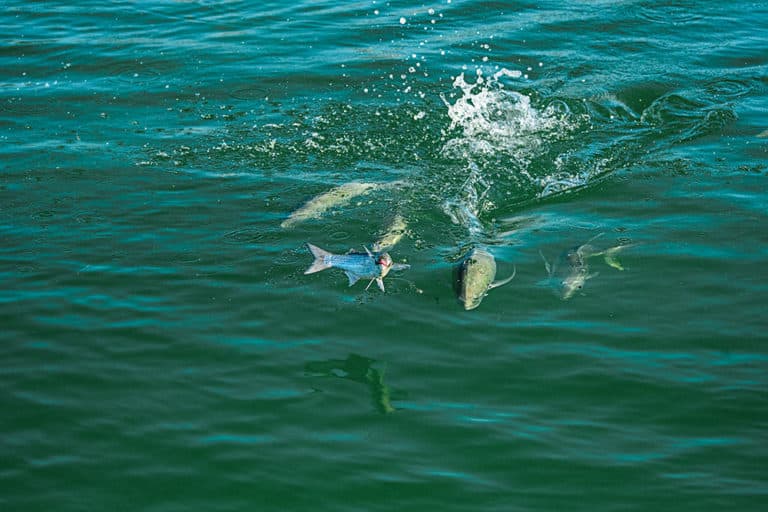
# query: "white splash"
[[494, 120]]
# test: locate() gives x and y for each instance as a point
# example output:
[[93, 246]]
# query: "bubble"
[[403, 21]]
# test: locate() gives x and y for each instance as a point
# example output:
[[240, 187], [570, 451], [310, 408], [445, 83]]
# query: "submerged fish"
[[394, 234], [575, 263], [358, 369], [356, 265], [337, 196], [475, 277]]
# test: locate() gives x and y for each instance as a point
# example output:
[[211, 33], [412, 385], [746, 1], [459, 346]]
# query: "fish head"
[[475, 276], [384, 262], [572, 284]]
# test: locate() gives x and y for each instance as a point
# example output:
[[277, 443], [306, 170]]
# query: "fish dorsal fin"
[[353, 278], [496, 284], [594, 238], [368, 252]]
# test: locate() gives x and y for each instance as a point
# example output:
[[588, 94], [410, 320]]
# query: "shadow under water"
[[357, 369]]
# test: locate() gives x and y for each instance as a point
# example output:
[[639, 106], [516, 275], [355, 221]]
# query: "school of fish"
[[475, 274]]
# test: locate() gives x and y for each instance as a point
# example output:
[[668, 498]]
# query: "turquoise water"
[[163, 350]]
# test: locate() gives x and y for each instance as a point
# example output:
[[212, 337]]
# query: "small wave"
[[670, 13], [245, 235], [691, 114], [727, 88]]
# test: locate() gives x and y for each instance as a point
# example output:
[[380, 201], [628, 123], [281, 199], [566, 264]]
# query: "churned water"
[[163, 350]]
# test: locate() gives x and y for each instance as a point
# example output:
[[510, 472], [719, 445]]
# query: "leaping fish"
[[475, 277], [356, 265]]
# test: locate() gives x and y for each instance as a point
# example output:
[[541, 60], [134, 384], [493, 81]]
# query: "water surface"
[[163, 349]]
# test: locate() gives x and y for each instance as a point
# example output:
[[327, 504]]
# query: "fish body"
[[575, 273], [475, 277], [337, 196], [394, 234], [572, 271], [356, 265], [358, 369], [578, 270]]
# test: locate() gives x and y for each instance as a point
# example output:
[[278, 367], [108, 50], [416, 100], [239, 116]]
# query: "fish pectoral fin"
[[496, 284], [380, 282], [353, 278], [400, 266], [590, 276]]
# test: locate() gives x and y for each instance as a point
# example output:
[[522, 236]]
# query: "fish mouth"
[[385, 264], [470, 304]]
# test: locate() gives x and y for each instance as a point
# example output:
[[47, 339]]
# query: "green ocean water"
[[162, 348]]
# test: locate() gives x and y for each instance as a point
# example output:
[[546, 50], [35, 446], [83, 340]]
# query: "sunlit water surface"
[[163, 350]]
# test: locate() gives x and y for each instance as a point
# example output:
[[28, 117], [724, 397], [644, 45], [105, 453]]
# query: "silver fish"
[[475, 277], [394, 234], [575, 261], [356, 265], [337, 196]]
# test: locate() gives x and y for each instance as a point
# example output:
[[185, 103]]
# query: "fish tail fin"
[[320, 262], [496, 284], [610, 256]]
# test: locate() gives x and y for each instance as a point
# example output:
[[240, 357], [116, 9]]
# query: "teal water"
[[163, 350]]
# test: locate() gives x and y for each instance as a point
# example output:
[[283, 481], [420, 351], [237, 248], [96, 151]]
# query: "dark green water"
[[162, 349]]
